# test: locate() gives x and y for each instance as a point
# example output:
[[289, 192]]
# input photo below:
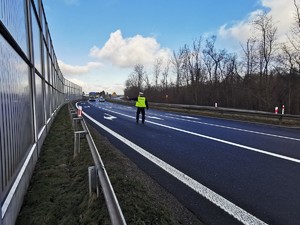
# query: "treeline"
[[265, 75]]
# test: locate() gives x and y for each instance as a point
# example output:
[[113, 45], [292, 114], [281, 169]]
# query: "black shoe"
[[137, 121]]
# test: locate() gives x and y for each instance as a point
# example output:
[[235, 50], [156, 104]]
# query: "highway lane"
[[255, 167]]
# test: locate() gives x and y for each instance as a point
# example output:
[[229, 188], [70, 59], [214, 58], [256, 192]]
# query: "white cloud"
[[68, 69], [127, 52], [77, 81], [240, 30], [98, 86], [115, 59], [282, 12]]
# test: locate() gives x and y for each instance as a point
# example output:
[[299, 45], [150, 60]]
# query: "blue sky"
[[98, 42]]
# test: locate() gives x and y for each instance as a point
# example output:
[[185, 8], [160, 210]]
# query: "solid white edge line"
[[229, 207]]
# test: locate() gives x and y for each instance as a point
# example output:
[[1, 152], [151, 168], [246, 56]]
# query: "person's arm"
[[146, 102], [132, 99]]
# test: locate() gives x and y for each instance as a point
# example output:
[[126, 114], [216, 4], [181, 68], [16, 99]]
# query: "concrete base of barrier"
[[14, 199]]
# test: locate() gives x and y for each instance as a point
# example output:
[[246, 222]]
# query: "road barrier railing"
[[114, 209], [222, 110], [226, 110], [217, 110]]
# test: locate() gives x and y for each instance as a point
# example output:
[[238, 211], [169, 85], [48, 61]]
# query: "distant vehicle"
[[93, 96], [101, 99]]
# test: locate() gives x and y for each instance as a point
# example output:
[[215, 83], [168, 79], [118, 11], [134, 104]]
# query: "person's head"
[[141, 93]]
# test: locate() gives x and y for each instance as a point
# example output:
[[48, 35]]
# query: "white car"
[[101, 99]]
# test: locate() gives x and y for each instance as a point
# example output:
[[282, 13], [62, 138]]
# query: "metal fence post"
[[77, 137], [75, 122], [76, 144], [93, 184]]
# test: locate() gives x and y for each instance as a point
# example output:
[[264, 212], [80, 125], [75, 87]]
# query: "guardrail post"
[[73, 113], [75, 122], [280, 119], [76, 144], [114, 210], [77, 137], [93, 184]]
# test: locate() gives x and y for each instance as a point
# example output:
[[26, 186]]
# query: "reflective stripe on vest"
[[141, 102]]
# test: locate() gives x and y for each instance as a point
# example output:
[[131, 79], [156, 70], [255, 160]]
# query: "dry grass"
[[58, 193]]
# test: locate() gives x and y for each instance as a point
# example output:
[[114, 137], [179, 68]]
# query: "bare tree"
[[208, 62], [267, 31], [266, 51], [177, 62], [139, 73], [147, 81], [294, 35], [185, 65], [165, 75], [297, 7], [216, 56], [196, 68], [157, 70], [250, 57], [132, 81]]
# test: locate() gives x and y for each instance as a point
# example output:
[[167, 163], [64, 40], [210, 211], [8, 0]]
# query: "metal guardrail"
[[227, 110], [220, 110], [114, 209]]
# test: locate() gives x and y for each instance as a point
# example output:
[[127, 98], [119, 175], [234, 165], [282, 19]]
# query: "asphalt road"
[[226, 172]]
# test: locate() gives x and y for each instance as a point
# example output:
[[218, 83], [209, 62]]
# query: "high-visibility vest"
[[141, 102]]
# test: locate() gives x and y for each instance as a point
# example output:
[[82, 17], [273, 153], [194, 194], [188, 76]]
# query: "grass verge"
[[58, 192]]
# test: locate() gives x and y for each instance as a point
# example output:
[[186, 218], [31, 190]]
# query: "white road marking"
[[154, 117], [219, 140], [229, 207], [109, 117], [233, 128], [189, 117]]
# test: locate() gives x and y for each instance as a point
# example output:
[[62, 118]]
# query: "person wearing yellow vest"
[[141, 104]]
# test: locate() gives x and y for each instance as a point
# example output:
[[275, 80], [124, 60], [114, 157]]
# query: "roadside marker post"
[[79, 111]]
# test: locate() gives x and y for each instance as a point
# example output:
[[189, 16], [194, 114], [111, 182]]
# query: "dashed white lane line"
[[217, 140], [229, 207], [231, 128]]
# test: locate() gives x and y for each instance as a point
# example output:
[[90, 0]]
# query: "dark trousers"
[[138, 111]]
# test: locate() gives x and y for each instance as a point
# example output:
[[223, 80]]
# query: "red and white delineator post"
[[79, 111], [282, 111], [276, 110]]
